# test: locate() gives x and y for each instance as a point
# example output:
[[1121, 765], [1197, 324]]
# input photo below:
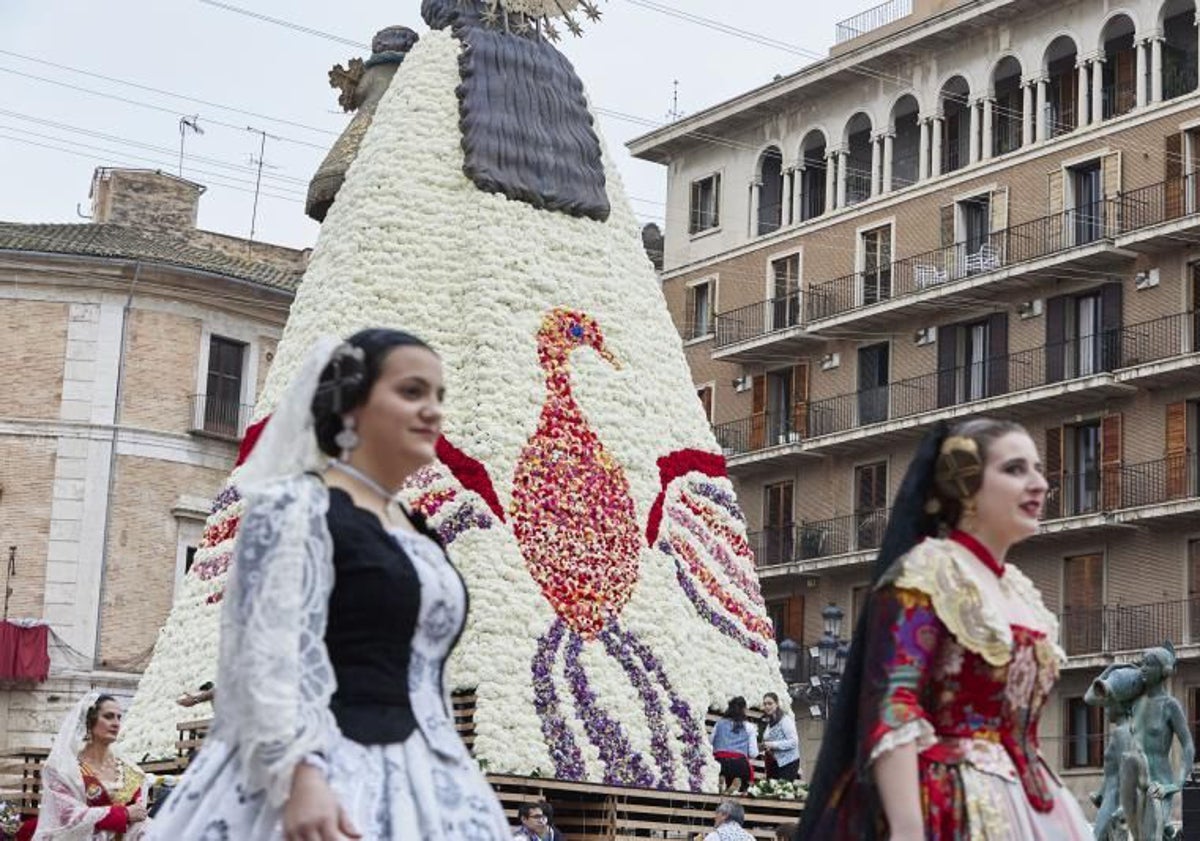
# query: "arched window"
[[769, 212]]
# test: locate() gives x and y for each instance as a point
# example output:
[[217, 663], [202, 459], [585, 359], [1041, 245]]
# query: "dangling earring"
[[347, 439]]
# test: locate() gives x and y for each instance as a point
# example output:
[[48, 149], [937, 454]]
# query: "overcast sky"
[[56, 128]]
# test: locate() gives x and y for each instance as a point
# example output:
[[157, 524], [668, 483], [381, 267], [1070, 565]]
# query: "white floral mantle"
[[412, 243]]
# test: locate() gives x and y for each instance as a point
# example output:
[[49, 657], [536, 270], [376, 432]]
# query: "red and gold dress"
[[103, 816], [945, 671]]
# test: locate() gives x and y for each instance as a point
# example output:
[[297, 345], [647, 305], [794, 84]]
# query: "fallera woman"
[[934, 735], [89, 793], [340, 613]]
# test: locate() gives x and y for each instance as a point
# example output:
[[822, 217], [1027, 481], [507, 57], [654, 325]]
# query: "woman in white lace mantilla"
[[89, 793], [338, 616]]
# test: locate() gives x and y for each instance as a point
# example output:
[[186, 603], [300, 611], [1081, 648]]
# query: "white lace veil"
[[288, 445], [64, 814]]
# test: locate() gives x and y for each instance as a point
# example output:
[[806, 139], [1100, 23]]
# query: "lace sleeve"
[[905, 635], [275, 679]]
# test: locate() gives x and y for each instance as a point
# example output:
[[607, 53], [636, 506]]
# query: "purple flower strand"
[[693, 734], [705, 538], [225, 498], [564, 752], [616, 642], [721, 497], [464, 518], [721, 623], [622, 764]]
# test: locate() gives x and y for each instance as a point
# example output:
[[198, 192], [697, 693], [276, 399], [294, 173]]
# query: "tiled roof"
[[120, 241]]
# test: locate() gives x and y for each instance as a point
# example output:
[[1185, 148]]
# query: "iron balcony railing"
[[758, 319], [987, 377], [858, 187], [1158, 203], [861, 531], [1021, 243], [872, 18], [1119, 99], [1168, 479], [697, 329], [1104, 630], [770, 218], [1178, 80], [1060, 117], [218, 417], [990, 376], [1007, 134]]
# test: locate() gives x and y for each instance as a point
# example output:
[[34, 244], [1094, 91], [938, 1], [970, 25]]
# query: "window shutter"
[[998, 223], [1083, 588], [706, 402], [947, 225], [1111, 433], [947, 384], [800, 381], [716, 205], [794, 623], [1177, 450], [689, 315], [1056, 335], [997, 376], [1110, 169], [694, 209], [1111, 325], [1054, 195], [1173, 174], [758, 416], [1053, 458]]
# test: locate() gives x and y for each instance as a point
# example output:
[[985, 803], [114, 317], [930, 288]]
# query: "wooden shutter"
[[1177, 450], [1194, 589], [947, 225], [1053, 458], [794, 619], [1056, 335], [716, 212], [1110, 174], [947, 383], [800, 386], [1111, 325], [706, 401], [1111, 456], [694, 208], [997, 368], [1054, 194], [758, 414], [1173, 174], [689, 314], [1083, 588], [998, 224]]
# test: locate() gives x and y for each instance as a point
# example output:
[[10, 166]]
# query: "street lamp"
[[789, 660], [830, 652]]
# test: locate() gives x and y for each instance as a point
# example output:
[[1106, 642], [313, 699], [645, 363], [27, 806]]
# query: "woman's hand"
[[136, 812], [312, 812]]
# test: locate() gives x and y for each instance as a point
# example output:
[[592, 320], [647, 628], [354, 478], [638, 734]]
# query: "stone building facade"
[[134, 347], [967, 208]]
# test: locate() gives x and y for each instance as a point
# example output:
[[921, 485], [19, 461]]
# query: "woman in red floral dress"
[[953, 661]]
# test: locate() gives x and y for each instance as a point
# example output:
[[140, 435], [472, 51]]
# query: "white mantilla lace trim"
[[919, 731]]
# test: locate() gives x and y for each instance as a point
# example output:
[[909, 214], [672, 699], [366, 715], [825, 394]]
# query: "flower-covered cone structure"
[[579, 487]]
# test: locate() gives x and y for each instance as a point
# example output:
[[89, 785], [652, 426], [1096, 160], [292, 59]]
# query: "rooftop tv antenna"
[[191, 123], [260, 162]]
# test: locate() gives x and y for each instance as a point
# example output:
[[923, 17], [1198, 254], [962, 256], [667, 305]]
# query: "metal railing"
[[858, 187], [1007, 135], [1167, 479], [770, 218], [219, 418], [1178, 80], [1118, 99], [813, 539], [759, 432], [989, 376], [754, 320], [1159, 338], [1060, 118], [697, 329], [1021, 243], [873, 18], [1111, 628], [1157, 203]]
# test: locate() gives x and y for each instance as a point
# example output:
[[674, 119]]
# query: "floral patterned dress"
[[946, 672]]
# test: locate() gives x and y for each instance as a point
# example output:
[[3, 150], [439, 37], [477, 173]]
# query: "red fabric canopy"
[[24, 652]]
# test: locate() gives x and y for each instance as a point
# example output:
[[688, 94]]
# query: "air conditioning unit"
[[1146, 280], [925, 336], [1029, 309]]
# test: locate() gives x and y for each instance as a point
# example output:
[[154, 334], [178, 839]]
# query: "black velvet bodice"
[[373, 612]]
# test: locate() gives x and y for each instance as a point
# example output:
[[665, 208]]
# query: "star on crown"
[[522, 16]]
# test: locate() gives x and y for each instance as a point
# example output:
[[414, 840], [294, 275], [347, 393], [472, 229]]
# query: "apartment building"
[[134, 346], [987, 207]]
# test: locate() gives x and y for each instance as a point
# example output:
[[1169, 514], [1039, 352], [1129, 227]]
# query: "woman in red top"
[[88, 792], [934, 737]]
